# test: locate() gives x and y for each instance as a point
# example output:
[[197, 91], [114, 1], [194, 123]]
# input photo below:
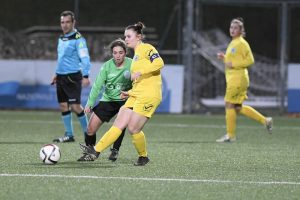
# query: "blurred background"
[[187, 33]]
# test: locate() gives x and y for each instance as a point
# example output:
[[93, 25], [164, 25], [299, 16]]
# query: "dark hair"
[[138, 28], [68, 13], [117, 43]]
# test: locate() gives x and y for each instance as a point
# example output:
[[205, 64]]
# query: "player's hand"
[[221, 55], [228, 65], [85, 82], [87, 109], [54, 78], [124, 95], [135, 76]]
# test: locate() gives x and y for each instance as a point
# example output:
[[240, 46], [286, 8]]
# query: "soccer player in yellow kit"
[[143, 98], [237, 59]]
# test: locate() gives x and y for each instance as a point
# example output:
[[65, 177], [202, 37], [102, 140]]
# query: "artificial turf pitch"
[[185, 161]]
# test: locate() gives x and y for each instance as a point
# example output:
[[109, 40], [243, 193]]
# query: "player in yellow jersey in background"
[[143, 98], [237, 59]]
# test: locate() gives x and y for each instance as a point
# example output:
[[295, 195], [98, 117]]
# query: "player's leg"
[[250, 112], [90, 137], [135, 125], [66, 117], [82, 118], [102, 112], [94, 124], [66, 114], [114, 109], [232, 96], [255, 115], [118, 142], [236, 93], [230, 118], [143, 109], [116, 147], [111, 135], [73, 90], [115, 131], [105, 111]]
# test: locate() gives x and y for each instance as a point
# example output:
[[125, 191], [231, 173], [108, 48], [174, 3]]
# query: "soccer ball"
[[50, 154]]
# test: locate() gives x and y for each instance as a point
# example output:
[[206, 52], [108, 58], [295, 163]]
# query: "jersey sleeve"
[[97, 86], [83, 54], [155, 61], [247, 58]]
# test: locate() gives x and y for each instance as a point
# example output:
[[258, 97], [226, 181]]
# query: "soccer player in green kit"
[[114, 77]]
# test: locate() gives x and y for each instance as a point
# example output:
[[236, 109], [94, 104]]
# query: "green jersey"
[[112, 80]]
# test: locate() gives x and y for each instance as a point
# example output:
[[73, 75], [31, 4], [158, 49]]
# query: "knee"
[[132, 128], [93, 125], [229, 105], [238, 108], [64, 107], [90, 130], [77, 108]]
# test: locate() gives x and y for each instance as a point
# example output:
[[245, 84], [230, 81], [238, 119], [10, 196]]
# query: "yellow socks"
[[253, 114], [245, 110], [230, 122], [139, 141], [108, 138]]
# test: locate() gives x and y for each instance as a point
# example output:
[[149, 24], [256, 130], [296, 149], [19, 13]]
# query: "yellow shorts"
[[144, 106], [236, 91]]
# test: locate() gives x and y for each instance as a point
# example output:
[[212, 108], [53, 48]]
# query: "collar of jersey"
[[71, 33]]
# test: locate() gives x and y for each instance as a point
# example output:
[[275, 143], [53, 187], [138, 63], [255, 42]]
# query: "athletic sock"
[[90, 140], [118, 142], [139, 141], [67, 120], [83, 121], [253, 114], [230, 121], [108, 138]]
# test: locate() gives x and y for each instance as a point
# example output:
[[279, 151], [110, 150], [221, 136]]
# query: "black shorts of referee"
[[68, 88]]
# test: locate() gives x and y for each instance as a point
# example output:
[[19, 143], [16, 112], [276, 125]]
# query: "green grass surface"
[[186, 162]]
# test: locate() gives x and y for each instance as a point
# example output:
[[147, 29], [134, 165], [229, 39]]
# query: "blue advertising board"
[[26, 84]]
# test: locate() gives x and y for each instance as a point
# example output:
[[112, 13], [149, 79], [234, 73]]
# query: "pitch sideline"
[[155, 179], [159, 124]]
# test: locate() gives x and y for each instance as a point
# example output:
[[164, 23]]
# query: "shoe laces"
[[87, 157], [89, 150], [114, 151]]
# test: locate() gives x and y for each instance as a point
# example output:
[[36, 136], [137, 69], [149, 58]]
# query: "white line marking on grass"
[[160, 125], [155, 179]]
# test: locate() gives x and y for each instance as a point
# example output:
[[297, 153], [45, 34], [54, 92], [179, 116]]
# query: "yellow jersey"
[[147, 61], [240, 55]]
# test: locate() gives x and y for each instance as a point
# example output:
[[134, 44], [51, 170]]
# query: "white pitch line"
[[156, 179], [161, 125]]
